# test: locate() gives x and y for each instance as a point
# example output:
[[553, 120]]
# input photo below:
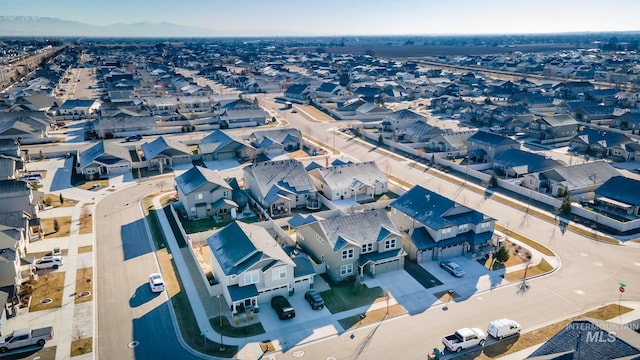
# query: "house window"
[[251, 277], [347, 254], [193, 210], [279, 273], [390, 244], [485, 226], [463, 228], [446, 232], [225, 194], [367, 248], [320, 239], [346, 269], [199, 196]]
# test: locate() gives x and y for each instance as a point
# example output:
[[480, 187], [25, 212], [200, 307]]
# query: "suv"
[[282, 307], [156, 283], [49, 262], [453, 268], [314, 299], [133, 138]]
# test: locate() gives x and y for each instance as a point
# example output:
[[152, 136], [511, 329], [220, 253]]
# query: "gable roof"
[[238, 247], [404, 115], [76, 103], [297, 89], [582, 175], [604, 138], [432, 209], [284, 174], [278, 135], [104, 152], [622, 189], [164, 146], [534, 162], [197, 176], [491, 139], [219, 141], [346, 175]]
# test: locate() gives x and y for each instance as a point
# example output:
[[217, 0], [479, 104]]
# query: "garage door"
[[266, 295], [301, 285], [388, 266], [452, 251]]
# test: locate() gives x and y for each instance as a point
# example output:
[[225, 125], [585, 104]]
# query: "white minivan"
[[502, 328]]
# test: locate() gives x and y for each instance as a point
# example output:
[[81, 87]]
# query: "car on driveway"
[[453, 268], [49, 262], [282, 307], [156, 283], [314, 299]]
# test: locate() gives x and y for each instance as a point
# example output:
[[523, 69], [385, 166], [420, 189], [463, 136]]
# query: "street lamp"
[[220, 315]]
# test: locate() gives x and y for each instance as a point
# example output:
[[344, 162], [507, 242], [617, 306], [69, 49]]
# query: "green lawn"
[[344, 297], [235, 331]]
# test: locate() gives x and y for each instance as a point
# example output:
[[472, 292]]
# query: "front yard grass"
[[235, 331], [541, 268], [370, 317], [54, 201], [345, 296], [48, 286], [85, 249], [64, 229], [81, 346], [84, 278], [545, 333], [93, 185]]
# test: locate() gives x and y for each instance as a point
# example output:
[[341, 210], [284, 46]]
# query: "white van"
[[502, 328]]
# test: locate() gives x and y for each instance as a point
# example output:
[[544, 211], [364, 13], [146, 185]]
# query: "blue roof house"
[[438, 227], [102, 159], [251, 267]]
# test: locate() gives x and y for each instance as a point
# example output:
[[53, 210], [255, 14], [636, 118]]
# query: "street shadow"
[[62, 176], [30, 352], [142, 295], [500, 347], [135, 239]]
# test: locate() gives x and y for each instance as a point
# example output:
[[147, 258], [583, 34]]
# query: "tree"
[[493, 181], [56, 225], [487, 101], [380, 140], [255, 101], [61, 199], [501, 255], [565, 207]]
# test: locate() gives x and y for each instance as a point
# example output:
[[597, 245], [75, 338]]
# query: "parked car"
[[452, 268], [502, 328], [314, 299], [49, 262], [282, 307], [133, 138], [464, 338], [26, 337], [156, 283]]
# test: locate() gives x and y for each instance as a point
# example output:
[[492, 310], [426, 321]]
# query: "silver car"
[[452, 268]]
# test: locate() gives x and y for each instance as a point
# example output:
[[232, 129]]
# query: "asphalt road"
[[128, 313]]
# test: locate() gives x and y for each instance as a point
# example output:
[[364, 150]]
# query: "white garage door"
[[452, 251]]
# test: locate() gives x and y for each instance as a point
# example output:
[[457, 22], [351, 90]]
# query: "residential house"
[[357, 181], [588, 338], [418, 132], [619, 196], [401, 119], [437, 227], [484, 146], [18, 197], [553, 127], [103, 159], [39, 102], [251, 266], [628, 121], [580, 179], [280, 186], [220, 146], [162, 105], [329, 89], [203, 193], [163, 153], [24, 125], [572, 89], [10, 167], [243, 117], [589, 113], [75, 109], [12, 253], [350, 245], [299, 92], [598, 142], [122, 126], [234, 104], [276, 141], [516, 163]]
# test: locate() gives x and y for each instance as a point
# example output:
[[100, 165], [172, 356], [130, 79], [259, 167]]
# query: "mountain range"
[[46, 26]]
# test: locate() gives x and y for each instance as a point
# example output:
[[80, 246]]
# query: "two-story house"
[[357, 181], [437, 227], [280, 186], [203, 193], [12, 251], [555, 127], [350, 245], [250, 265]]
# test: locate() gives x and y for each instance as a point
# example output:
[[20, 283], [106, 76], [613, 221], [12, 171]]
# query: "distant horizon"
[[329, 18]]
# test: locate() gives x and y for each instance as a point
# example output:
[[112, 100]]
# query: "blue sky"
[[347, 17]]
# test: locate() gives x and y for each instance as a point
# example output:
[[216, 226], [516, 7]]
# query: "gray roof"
[[284, 174], [559, 120], [278, 135], [76, 103], [197, 176], [242, 114], [404, 115], [622, 189], [124, 123], [512, 158], [345, 175], [164, 146], [604, 138], [238, 247], [432, 209], [105, 153], [219, 141], [582, 175], [491, 139]]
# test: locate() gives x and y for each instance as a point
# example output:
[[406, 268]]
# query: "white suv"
[[156, 283], [49, 262]]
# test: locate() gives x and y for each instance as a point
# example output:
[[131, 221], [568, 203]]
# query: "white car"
[[452, 268], [49, 262], [156, 283]]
